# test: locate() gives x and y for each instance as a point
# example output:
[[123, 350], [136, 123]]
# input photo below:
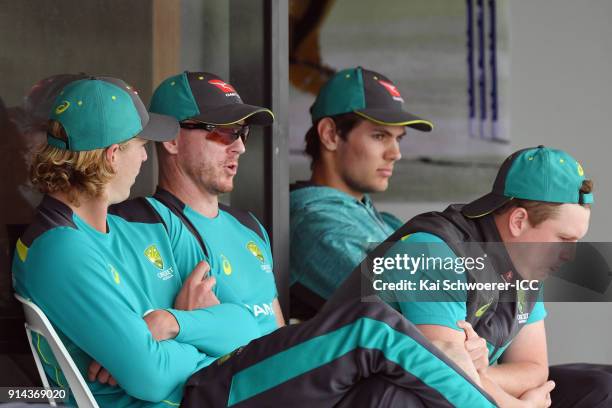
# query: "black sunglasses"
[[222, 134]]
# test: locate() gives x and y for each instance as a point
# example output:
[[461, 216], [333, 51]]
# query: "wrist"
[[162, 324], [171, 325]]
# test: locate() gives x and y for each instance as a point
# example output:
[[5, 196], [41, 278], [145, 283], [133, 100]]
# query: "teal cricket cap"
[[99, 111], [206, 98], [537, 174], [367, 94]]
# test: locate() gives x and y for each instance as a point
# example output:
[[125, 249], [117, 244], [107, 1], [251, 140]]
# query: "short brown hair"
[[344, 124], [73, 173], [540, 211]]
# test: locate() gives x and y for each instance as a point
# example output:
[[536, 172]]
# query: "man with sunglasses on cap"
[[523, 231], [358, 122]]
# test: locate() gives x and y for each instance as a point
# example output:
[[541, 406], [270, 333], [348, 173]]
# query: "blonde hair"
[[75, 174]]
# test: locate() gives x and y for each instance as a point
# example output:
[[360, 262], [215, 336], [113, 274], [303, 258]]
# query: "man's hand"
[[162, 324], [196, 292], [97, 372], [539, 397], [476, 346]]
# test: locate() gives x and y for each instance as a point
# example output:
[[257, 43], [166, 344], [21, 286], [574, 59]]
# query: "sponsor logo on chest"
[[263, 309], [521, 300], [252, 247], [153, 255]]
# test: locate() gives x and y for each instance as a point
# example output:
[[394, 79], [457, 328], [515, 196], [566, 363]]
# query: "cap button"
[[540, 146]]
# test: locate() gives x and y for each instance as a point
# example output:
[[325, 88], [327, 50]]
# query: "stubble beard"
[[209, 180]]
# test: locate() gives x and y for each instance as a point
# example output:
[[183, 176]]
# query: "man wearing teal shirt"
[[540, 200], [358, 122], [194, 170]]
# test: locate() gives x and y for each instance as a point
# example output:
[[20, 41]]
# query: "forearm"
[[517, 377], [501, 397]]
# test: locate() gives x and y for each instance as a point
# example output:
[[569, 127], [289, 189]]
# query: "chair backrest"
[[37, 322]]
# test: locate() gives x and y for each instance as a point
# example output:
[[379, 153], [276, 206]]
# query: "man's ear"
[[518, 221], [327, 134], [171, 146], [111, 155]]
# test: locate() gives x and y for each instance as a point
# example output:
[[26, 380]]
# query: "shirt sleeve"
[[216, 330], [538, 313], [86, 300], [427, 303], [321, 259]]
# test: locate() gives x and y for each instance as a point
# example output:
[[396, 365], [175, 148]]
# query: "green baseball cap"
[[205, 97], [368, 94], [537, 174], [99, 111]]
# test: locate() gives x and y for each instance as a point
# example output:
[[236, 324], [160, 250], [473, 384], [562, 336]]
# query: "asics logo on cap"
[[225, 87], [392, 90], [62, 107]]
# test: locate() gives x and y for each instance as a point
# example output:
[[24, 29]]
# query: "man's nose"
[[393, 153], [237, 146]]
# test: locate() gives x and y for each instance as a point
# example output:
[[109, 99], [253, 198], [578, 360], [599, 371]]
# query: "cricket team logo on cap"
[[392, 90], [580, 169], [224, 86], [61, 108], [254, 249], [154, 256]]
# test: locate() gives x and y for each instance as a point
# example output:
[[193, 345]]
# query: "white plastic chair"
[[37, 322]]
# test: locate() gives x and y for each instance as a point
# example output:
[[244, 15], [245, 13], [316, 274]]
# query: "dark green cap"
[[368, 94], [205, 97], [537, 174], [98, 112]]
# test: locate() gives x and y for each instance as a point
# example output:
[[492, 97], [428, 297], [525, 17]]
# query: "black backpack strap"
[[246, 218], [177, 206]]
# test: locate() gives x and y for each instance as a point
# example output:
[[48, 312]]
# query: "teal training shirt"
[[330, 235], [442, 313], [240, 257], [95, 288]]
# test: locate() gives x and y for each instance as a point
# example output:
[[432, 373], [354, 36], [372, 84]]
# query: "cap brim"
[[160, 128], [234, 113], [484, 205], [396, 118]]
